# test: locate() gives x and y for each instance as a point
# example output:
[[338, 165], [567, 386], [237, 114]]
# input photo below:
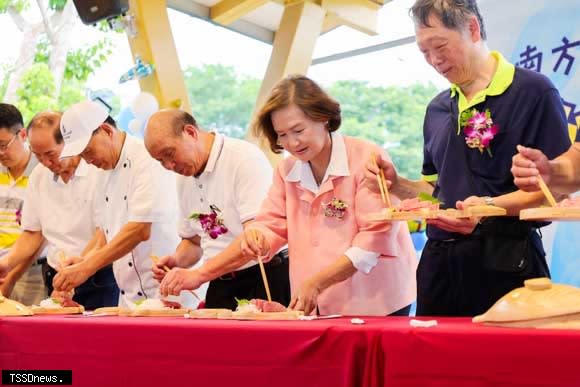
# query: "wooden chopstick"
[[546, 191], [155, 259], [262, 270], [382, 183]]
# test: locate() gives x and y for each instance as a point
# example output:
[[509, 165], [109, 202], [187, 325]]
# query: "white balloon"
[[144, 105], [136, 126]]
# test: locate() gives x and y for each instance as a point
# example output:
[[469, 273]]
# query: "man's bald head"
[[168, 122], [49, 120]]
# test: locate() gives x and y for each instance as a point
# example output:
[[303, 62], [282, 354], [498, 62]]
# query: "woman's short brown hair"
[[304, 93]]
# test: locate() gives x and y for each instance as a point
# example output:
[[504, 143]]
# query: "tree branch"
[[18, 20], [46, 22]]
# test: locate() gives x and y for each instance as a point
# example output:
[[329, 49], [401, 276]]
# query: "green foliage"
[[389, 116], [80, 63], [221, 100], [71, 92], [36, 91], [57, 5], [18, 5]]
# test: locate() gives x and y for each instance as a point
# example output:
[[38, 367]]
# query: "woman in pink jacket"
[[340, 262]]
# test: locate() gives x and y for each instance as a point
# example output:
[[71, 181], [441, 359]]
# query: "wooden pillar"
[[154, 44], [292, 51]]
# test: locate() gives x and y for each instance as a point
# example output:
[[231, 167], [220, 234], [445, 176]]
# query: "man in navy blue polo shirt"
[[470, 136], [562, 173]]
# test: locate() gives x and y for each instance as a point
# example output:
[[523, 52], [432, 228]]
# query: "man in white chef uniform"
[[137, 207], [59, 209]]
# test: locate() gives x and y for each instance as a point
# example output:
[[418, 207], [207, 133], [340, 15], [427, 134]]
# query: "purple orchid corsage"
[[18, 214], [479, 130], [335, 209], [212, 224]]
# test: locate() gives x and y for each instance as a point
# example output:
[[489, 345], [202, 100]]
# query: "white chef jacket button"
[[140, 294], [201, 200], [130, 264], [122, 292], [124, 165], [125, 197], [106, 198], [106, 231], [200, 186]]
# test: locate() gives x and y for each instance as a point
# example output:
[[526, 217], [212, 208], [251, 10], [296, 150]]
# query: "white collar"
[[214, 153], [81, 170], [337, 166]]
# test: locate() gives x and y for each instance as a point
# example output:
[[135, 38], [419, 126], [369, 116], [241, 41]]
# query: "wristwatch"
[[488, 201]]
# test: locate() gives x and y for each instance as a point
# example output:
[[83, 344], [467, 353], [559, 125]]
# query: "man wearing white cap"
[[137, 206], [60, 190]]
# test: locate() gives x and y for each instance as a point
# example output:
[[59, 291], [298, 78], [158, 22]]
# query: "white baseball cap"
[[77, 125]]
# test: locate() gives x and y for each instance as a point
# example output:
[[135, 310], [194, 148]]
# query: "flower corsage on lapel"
[[212, 224], [335, 209], [479, 129]]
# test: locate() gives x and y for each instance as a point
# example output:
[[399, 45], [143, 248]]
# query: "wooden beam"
[[154, 43], [227, 11], [361, 15], [292, 51], [331, 21]]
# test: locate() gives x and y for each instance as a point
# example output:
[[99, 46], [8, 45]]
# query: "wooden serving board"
[[63, 310], [210, 313], [551, 213], [287, 315], [156, 312], [108, 311], [10, 307], [475, 211]]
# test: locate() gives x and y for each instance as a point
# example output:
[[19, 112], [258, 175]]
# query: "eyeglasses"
[[4, 147]]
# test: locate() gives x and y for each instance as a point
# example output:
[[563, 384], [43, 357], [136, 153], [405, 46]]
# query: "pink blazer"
[[295, 216]]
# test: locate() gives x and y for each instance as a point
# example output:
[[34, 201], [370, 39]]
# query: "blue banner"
[[544, 36]]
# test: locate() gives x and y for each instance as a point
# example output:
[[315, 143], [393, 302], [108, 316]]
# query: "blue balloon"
[[565, 266], [125, 116], [419, 239]]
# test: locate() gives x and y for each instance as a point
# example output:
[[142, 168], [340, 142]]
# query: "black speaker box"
[[92, 11]]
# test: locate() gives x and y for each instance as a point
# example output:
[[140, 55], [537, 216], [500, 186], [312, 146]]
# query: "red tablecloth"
[[116, 351]]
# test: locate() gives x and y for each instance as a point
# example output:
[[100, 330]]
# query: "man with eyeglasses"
[[136, 204], [23, 283], [60, 208]]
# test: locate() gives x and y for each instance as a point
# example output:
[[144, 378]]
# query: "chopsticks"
[[382, 183], [262, 270], [546, 191], [155, 259]]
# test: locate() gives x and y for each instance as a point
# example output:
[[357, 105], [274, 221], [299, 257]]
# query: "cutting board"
[[551, 213], [107, 310], [210, 313], [287, 315], [10, 307], [475, 211], [155, 312], [64, 310]]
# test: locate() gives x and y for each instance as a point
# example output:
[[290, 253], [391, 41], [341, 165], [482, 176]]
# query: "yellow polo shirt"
[[11, 200]]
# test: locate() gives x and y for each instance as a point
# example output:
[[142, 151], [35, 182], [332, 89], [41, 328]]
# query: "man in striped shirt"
[[17, 164]]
